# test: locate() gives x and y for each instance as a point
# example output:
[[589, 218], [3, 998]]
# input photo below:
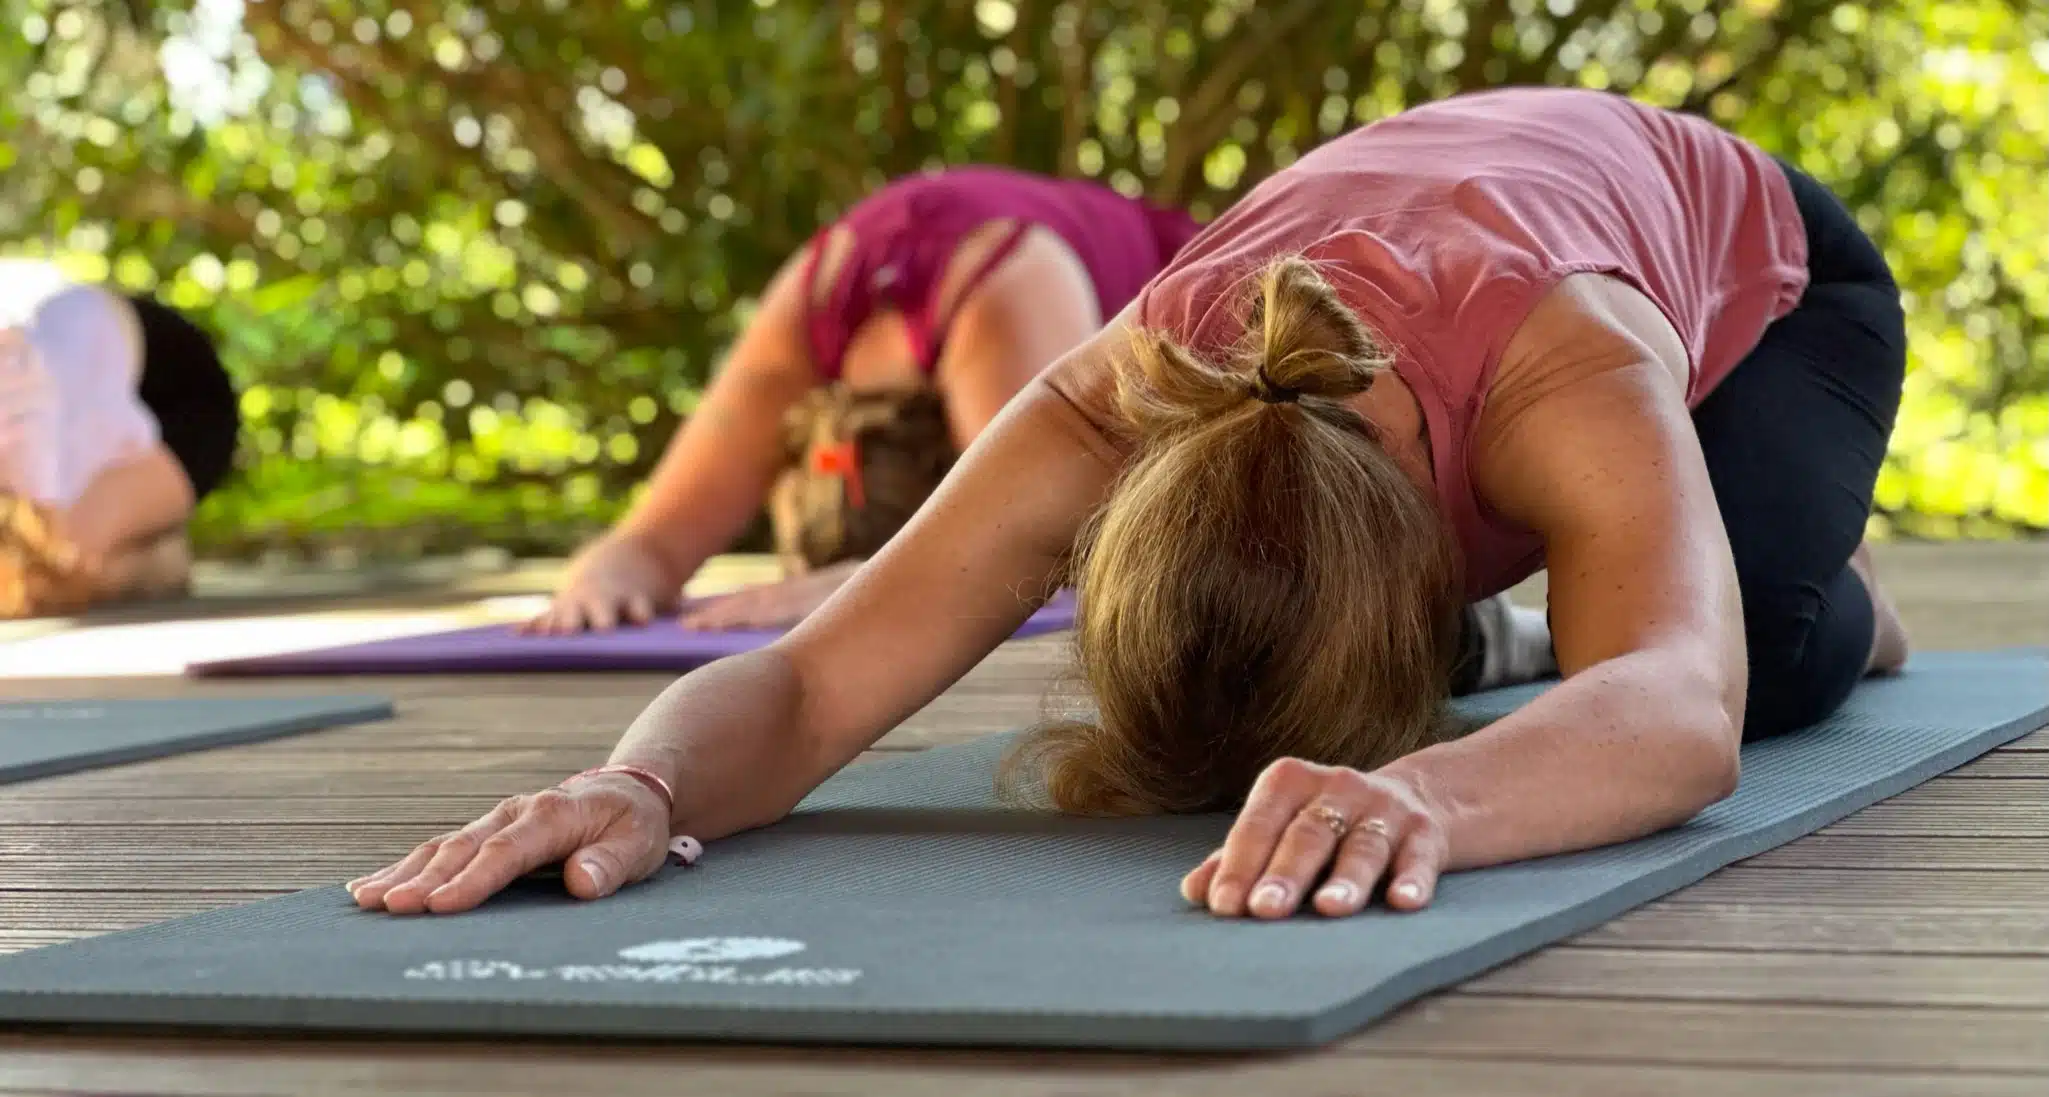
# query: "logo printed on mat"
[[712, 950], [683, 960]]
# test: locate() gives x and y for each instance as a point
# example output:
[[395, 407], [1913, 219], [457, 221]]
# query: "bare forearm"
[[727, 739], [129, 503], [1622, 749], [692, 509]]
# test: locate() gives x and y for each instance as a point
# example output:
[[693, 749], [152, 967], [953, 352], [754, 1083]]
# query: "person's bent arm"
[[743, 740], [711, 479], [1035, 306], [715, 473], [1599, 456], [128, 503]]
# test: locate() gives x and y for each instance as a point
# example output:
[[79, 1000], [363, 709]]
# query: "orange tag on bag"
[[843, 460]]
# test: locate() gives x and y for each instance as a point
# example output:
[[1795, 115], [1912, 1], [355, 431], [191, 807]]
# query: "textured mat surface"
[[498, 649], [45, 738], [904, 905]]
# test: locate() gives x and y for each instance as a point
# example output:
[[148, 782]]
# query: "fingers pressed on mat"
[[525, 845], [1356, 870], [1276, 797], [456, 852], [1416, 868], [1195, 885], [640, 609], [369, 892], [1305, 848]]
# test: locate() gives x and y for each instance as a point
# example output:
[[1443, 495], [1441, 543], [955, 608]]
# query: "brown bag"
[[859, 465]]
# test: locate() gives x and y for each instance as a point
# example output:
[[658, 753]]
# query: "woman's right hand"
[[616, 579], [606, 831]]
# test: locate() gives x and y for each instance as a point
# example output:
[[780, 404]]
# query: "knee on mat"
[[1789, 687]]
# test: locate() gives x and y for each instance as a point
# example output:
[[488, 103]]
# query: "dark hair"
[[187, 388]]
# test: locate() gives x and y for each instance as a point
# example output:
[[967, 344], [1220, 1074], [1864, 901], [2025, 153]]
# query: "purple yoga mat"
[[497, 649]]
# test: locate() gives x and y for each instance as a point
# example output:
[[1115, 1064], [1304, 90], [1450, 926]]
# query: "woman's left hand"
[[1303, 819], [773, 605]]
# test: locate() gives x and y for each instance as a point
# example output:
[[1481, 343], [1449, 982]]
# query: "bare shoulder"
[[1589, 322], [1592, 382], [1040, 262], [1084, 383]]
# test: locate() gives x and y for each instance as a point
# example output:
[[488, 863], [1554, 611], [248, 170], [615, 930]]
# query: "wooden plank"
[[644, 1076], [1909, 852], [91, 845], [1791, 928], [278, 788], [179, 871], [1812, 979], [1830, 888], [2006, 765], [1819, 1037], [1767, 1048], [1930, 816]]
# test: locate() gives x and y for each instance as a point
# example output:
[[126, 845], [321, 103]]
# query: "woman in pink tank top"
[[1522, 329], [884, 347]]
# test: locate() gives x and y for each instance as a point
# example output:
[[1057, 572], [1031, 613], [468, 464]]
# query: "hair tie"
[[1264, 390]]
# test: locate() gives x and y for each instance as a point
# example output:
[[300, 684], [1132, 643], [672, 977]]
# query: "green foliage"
[[473, 261]]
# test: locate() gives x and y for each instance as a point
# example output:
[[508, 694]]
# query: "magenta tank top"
[[1443, 226], [904, 235]]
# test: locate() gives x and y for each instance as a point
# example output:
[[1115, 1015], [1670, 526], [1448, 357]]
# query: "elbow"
[[1721, 767], [1714, 754]]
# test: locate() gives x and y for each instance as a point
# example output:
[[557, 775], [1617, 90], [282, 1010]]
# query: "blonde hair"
[[1263, 581]]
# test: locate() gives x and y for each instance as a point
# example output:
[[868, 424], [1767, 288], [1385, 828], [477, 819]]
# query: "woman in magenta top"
[[1521, 329], [969, 281]]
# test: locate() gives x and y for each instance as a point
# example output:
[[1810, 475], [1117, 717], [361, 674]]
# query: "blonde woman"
[[1521, 329]]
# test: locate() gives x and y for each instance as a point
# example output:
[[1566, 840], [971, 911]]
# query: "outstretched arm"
[[710, 481], [717, 470], [744, 739], [978, 558]]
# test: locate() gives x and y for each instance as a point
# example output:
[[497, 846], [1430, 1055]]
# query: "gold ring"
[[1330, 817], [1375, 826]]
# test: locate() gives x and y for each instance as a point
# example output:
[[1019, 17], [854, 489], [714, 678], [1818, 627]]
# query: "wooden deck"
[[1902, 951]]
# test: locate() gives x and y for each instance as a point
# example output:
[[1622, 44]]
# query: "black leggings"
[[1794, 437]]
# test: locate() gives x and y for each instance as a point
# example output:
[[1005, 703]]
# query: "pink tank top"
[[905, 234], [1443, 226]]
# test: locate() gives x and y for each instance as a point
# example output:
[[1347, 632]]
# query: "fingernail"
[[1337, 893], [1408, 892], [596, 874], [1269, 897]]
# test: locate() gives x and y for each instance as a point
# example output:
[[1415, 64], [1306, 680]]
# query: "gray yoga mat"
[[903, 905], [46, 738]]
